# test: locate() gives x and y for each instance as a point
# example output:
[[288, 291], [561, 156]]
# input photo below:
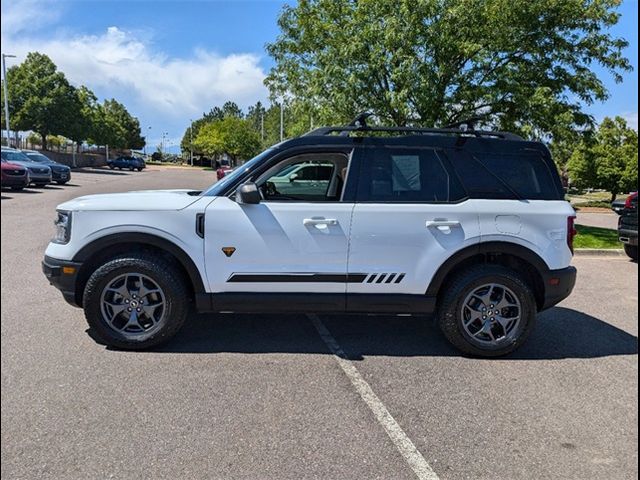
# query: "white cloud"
[[161, 90], [632, 119]]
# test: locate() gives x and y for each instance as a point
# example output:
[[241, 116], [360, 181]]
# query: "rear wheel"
[[139, 169], [17, 188], [487, 311], [61, 182], [111, 167], [631, 251], [135, 302]]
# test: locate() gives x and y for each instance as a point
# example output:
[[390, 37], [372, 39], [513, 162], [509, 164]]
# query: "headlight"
[[63, 227]]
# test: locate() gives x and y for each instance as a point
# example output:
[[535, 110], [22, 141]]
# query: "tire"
[[111, 167], [131, 169], [139, 169], [453, 311], [17, 188], [631, 251], [101, 299], [61, 182]]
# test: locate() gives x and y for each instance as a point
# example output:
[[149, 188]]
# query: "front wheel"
[[61, 182], [487, 311], [135, 302], [631, 251], [139, 169], [111, 167]]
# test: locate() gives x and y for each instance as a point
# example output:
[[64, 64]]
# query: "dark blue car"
[[132, 163]]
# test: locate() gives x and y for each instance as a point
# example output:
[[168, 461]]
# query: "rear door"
[[411, 214]]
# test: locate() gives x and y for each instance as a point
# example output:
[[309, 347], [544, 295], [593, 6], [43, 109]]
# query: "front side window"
[[407, 175], [313, 177]]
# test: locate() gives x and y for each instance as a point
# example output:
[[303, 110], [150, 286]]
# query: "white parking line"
[[400, 439]]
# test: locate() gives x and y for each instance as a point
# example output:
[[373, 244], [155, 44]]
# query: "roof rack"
[[359, 124]]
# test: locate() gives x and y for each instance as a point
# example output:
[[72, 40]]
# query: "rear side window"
[[505, 176], [407, 175]]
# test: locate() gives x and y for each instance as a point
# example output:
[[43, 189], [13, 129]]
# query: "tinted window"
[[407, 175], [505, 176]]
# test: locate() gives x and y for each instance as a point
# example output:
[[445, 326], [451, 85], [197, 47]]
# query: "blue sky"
[[168, 61]]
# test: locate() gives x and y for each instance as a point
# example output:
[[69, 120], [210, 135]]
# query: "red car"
[[14, 176]]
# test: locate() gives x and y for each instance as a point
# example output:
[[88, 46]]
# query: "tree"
[[515, 63], [609, 161], [41, 99], [129, 135], [232, 136]]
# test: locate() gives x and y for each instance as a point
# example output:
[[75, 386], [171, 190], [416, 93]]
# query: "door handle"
[[319, 221], [442, 223]]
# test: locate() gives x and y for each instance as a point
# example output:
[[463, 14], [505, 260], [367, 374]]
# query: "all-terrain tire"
[[450, 307], [163, 273], [631, 251]]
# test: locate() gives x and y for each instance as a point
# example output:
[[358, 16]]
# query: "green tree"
[[41, 99], [128, 134], [515, 63], [232, 136], [608, 161]]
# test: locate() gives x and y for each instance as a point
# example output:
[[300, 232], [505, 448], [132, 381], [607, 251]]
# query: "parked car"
[[39, 174], [60, 173], [14, 176], [131, 163], [618, 205], [628, 226], [469, 225]]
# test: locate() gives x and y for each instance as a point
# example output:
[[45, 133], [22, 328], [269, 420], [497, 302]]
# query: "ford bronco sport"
[[469, 225]]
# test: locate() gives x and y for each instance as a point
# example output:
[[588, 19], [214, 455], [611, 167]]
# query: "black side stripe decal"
[[316, 278], [297, 278]]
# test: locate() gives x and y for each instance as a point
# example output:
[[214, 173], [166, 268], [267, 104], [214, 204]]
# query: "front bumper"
[[62, 274], [39, 178], [15, 181], [60, 175], [558, 285]]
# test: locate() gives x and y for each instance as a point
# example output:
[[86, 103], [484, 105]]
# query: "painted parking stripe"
[[400, 439]]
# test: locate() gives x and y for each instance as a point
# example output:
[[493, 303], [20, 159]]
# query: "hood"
[[30, 164], [145, 200], [11, 166]]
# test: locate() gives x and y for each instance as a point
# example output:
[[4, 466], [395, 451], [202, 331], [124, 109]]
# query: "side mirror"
[[248, 194], [293, 177]]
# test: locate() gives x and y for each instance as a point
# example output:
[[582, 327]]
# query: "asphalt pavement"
[[266, 396]]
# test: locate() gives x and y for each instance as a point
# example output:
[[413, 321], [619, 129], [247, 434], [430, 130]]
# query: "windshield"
[[13, 156], [220, 185], [37, 157]]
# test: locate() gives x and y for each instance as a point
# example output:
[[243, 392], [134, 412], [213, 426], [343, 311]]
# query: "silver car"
[[39, 174]]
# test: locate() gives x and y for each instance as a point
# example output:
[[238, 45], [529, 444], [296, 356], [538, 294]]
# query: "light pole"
[[282, 120], [191, 142], [6, 95], [145, 142]]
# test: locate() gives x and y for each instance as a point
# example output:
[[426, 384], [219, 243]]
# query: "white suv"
[[469, 225]]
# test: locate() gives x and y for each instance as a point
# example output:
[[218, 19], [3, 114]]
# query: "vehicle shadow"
[[26, 191], [560, 333], [4, 197], [100, 171]]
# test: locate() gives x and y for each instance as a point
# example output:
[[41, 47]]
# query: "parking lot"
[[265, 396]]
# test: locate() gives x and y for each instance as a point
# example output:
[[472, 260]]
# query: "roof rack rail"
[[347, 129]]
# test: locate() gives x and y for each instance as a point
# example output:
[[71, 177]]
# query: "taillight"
[[627, 203], [571, 231]]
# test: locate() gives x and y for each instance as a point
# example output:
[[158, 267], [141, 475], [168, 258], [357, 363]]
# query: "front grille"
[[17, 173], [39, 170]]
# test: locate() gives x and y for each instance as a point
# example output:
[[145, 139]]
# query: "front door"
[[294, 240]]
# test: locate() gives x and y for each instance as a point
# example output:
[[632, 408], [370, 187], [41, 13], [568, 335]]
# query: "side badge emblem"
[[228, 251]]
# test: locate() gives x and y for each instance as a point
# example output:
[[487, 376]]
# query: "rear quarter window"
[[523, 175]]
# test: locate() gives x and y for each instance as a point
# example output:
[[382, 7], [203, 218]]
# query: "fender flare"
[[102, 243], [460, 256]]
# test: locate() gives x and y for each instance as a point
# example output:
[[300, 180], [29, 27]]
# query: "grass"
[[595, 237], [592, 203]]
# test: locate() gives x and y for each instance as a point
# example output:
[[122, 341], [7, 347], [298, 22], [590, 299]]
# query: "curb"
[[609, 252]]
